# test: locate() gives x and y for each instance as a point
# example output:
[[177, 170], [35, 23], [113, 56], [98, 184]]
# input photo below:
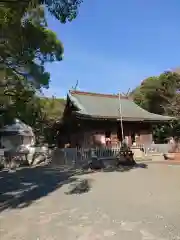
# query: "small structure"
[[16, 135], [90, 119]]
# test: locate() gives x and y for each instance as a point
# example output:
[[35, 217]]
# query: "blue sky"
[[113, 45]]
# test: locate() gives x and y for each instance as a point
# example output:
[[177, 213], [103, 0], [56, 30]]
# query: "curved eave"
[[125, 119], [76, 103], [146, 116]]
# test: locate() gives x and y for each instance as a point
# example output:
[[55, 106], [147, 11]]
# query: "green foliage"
[[26, 45], [64, 10], [43, 114], [161, 133], [53, 107], [156, 93], [160, 95], [52, 110]]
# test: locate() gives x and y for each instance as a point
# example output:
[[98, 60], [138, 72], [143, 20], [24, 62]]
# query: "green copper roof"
[[108, 106]]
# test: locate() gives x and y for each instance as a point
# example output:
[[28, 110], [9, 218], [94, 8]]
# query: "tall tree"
[[156, 93], [52, 110], [26, 44], [160, 95]]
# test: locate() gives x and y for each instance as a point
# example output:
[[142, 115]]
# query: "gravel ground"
[[140, 203]]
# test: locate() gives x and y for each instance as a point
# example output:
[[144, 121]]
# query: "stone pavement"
[[137, 204]]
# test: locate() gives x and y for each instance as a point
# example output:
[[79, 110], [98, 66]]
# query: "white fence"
[[78, 156], [156, 148], [75, 156]]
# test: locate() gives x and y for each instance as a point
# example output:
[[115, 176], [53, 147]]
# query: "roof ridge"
[[97, 94]]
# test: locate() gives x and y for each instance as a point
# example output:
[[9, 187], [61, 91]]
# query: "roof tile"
[[108, 106]]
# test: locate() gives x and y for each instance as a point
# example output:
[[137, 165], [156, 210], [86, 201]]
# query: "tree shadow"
[[124, 167], [110, 165], [21, 188], [79, 187]]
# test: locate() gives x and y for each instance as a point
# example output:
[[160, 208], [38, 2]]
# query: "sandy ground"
[[139, 204]]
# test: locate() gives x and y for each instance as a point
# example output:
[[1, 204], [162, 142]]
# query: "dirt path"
[[135, 204]]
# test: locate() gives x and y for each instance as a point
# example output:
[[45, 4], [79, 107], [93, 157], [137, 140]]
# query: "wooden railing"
[[76, 156]]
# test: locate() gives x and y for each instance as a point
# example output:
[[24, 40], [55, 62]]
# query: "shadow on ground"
[[21, 188], [79, 187], [125, 168]]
